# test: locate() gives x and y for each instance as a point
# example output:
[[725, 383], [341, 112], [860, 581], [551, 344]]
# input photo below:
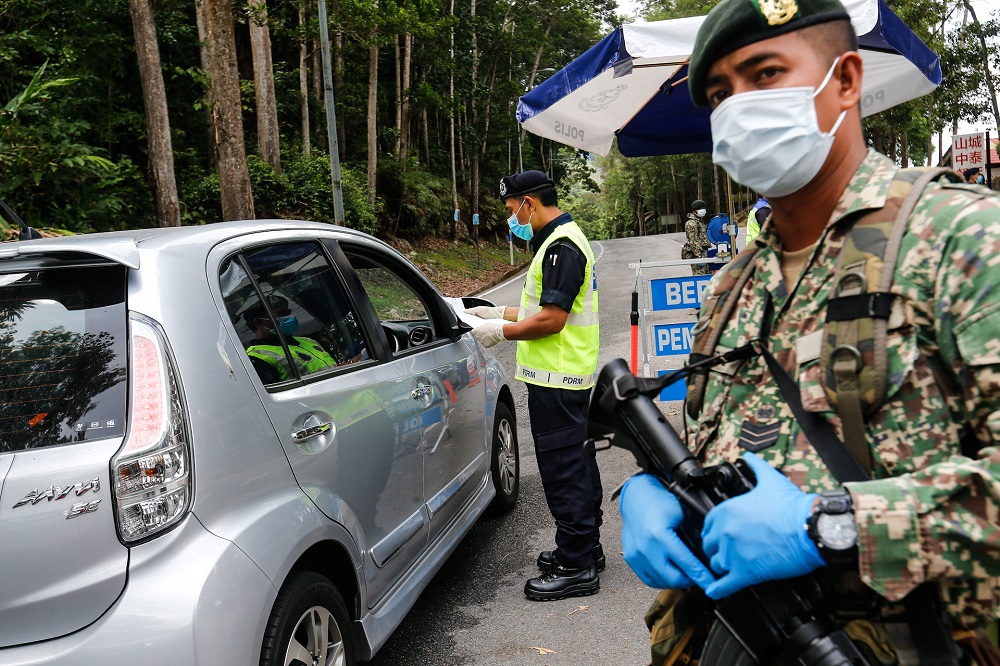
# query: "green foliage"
[[417, 199], [303, 191], [42, 153]]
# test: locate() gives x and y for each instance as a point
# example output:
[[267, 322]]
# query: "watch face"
[[837, 531]]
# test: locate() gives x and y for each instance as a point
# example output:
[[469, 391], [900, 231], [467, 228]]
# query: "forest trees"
[[425, 96], [241, 150]]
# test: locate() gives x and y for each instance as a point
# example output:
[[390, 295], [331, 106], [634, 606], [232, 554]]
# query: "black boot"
[[547, 559], [562, 582]]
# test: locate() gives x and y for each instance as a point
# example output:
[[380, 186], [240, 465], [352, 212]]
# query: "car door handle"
[[421, 392], [306, 434]]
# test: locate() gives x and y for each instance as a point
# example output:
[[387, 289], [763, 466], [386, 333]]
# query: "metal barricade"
[[670, 339]]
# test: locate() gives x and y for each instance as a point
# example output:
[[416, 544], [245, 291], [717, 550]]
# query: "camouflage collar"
[[869, 187]]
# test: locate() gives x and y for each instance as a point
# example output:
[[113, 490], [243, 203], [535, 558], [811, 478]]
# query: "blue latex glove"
[[761, 535], [650, 518]]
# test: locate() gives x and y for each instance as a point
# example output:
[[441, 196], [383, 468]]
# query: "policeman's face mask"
[[522, 231], [770, 140]]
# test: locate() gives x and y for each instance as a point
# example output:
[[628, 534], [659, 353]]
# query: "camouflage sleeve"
[[703, 236], [691, 229], [943, 521]]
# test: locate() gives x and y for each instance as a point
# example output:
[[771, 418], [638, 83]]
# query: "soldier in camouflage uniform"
[[697, 243], [931, 509]]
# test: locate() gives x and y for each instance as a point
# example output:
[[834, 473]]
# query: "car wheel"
[[309, 624], [505, 465]]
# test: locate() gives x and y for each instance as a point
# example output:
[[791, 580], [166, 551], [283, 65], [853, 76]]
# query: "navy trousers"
[[570, 476]]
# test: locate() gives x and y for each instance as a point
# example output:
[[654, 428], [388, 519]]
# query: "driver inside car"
[[266, 351]]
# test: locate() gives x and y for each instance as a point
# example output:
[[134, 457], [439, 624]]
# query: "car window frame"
[[445, 328], [376, 344]]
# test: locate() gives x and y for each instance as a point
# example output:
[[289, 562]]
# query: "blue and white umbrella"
[[633, 85]]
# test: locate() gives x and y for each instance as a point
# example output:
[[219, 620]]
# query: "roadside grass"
[[455, 268]]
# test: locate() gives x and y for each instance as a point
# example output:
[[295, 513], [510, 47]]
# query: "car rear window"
[[63, 353]]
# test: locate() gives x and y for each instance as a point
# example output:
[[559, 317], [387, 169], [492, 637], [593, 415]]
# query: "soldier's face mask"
[[701, 212], [770, 140]]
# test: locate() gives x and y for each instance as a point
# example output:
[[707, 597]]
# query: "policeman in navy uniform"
[[556, 327]]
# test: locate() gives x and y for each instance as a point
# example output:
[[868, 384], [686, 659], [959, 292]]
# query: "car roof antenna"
[[26, 233]]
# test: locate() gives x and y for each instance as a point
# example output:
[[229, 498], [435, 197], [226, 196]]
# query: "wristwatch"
[[832, 528]]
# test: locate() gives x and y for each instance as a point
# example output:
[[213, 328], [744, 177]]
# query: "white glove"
[[487, 311], [489, 333]]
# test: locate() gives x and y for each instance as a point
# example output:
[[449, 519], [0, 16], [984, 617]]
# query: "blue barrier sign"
[[683, 293], [673, 339], [676, 391], [458, 215], [475, 219]]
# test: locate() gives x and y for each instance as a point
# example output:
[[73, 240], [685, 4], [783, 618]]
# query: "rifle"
[[779, 621]]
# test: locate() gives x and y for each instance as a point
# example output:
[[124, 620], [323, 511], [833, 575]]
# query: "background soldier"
[[558, 342], [916, 407], [697, 243]]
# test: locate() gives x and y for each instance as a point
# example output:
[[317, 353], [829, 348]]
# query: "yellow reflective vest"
[[310, 355], [567, 359]]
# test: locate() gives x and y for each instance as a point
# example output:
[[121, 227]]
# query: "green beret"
[[698, 203], [733, 24]]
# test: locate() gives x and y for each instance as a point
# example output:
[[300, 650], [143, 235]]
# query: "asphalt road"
[[474, 612]]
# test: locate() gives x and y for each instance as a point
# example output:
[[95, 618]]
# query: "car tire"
[[505, 462], [306, 602]]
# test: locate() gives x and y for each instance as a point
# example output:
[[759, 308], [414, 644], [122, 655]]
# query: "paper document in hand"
[[472, 320]]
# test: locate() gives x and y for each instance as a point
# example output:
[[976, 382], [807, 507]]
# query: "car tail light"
[[151, 473]]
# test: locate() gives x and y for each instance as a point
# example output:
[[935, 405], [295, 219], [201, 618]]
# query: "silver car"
[[240, 443]]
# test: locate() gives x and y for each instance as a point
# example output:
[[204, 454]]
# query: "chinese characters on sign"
[[968, 151]]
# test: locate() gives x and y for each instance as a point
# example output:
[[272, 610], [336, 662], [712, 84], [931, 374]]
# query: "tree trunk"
[[199, 14], [905, 150], [538, 61], [427, 137], [451, 125], [372, 125], [474, 154], [338, 83], [404, 125], [263, 75], [317, 70], [161, 154], [227, 112], [399, 96], [304, 86], [715, 184]]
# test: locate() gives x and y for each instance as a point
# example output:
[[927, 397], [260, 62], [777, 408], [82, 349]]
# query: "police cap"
[[525, 182], [733, 24]]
